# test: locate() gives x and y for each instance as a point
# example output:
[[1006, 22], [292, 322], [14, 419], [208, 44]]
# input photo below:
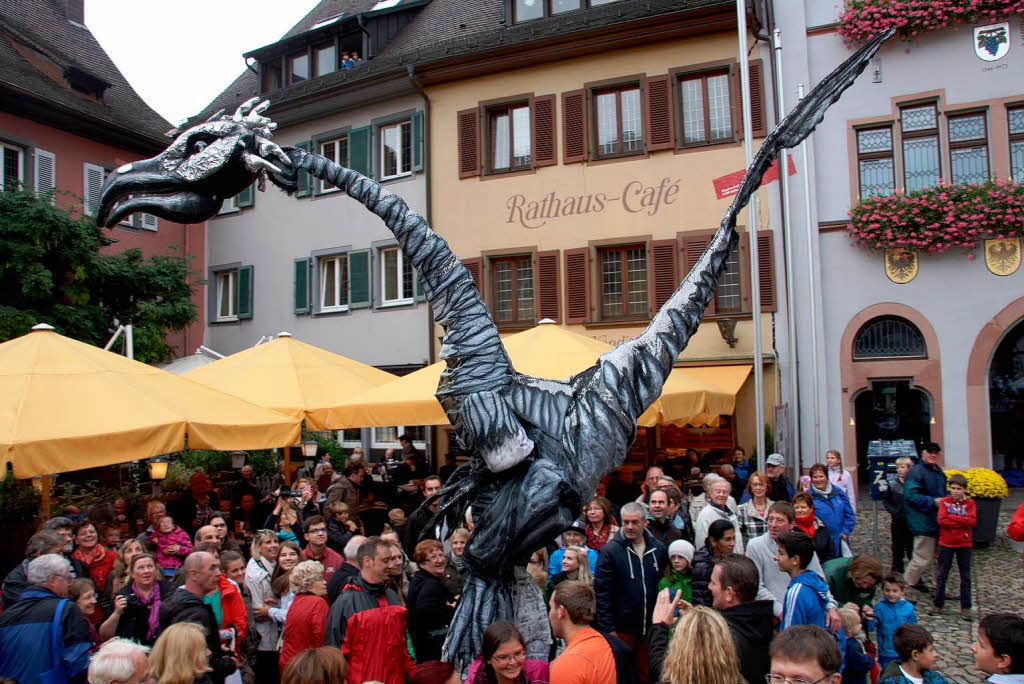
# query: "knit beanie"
[[681, 547]]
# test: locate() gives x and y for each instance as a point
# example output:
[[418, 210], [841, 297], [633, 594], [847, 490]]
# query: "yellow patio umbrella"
[[697, 396], [546, 351], [66, 405], [292, 377]]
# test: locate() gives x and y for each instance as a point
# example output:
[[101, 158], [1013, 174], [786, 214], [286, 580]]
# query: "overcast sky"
[[180, 55]]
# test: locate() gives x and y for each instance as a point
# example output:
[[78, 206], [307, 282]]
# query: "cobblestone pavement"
[[997, 583]]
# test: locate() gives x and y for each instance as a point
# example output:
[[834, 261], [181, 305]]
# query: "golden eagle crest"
[[901, 265], [1002, 255]]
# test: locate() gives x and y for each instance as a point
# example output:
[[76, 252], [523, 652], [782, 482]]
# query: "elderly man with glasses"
[[32, 626]]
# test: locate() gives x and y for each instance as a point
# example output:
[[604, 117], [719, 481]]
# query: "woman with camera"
[[137, 604]]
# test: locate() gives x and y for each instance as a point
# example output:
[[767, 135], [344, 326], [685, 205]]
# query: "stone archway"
[[978, 418], [857, 376]]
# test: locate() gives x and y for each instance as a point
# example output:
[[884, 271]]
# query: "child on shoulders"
[[172, 545]]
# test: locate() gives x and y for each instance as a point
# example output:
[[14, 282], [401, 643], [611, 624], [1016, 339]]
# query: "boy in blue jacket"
[[807, 598], [891, 613]]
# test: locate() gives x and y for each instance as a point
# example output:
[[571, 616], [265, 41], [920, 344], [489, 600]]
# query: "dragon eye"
[[199, 146]]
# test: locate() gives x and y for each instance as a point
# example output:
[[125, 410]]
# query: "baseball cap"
[[576, 526], [775, 460]]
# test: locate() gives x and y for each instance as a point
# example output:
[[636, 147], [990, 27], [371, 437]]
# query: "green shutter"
[[246, 197], [304, 178], [417, 141], [244, 292], [303, 267], [359, 279], [360, 153], [417, 290]]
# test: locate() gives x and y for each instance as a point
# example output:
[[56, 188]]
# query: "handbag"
[[56, 674]]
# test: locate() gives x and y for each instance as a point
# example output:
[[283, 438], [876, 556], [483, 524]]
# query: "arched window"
[[889, 337]]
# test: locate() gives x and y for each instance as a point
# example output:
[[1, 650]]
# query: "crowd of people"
[[705, 571]]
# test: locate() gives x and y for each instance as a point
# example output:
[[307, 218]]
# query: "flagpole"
[[812, 289], [755, 271], [793, 458]]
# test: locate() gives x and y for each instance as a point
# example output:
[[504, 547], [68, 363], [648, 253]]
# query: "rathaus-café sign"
[[634, 197]]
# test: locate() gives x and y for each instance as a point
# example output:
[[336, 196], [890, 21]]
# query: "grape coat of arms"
[[992, 42]]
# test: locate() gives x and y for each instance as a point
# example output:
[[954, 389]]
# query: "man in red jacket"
[[1015, 531], [957, 517], [368, 621]]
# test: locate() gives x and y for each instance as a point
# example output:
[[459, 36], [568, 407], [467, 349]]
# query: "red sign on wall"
[[729, 185]]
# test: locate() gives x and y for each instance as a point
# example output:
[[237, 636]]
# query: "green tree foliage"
[[52, 271]]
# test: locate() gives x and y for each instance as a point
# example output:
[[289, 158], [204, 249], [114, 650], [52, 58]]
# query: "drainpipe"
[[418, 87]]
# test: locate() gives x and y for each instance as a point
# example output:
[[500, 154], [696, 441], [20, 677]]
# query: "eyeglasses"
[[517, 656], [319, 530], [779, 679], [220, 525]]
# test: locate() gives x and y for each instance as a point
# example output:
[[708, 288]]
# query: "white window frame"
[[399, 431], [321, 265], [324, 187], [21, 166], [228, 206], [403, 297], [230, 277], [401, 162], [348, 442]]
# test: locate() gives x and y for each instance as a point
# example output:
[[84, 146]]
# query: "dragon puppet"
[[538, 447]]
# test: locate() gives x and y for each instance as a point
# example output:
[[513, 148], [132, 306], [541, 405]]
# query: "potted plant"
[[988, 489]]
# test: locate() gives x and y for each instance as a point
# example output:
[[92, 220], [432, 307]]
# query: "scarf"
[[153, 603], [805, 524], [457, 562], [89, 558], [826, 492]]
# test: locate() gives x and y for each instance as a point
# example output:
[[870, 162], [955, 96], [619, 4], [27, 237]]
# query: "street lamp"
[[309, 447], [158, 468], [238, 459], [727, 329]]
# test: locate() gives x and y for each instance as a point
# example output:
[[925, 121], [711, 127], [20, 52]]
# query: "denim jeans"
[[963, 563]]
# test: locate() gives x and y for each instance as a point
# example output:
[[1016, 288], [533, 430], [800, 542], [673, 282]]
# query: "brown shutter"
[[766, 269], [476, 269], [664, 271], [545, 135], [658, 116], [577, 285], [469, 142], [692, 247], [758, 121], [574, 127], [548, 285]]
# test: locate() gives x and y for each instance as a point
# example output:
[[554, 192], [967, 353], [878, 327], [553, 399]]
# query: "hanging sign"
[[728, 185]]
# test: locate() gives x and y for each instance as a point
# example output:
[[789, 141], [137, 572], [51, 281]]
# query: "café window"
[[512, 279], [623, 287], [875, 162], [968, 148], [1015, 117], [920, 131], [618, 121], [298, 67], [729, 293], [509, 132], [706, 108]]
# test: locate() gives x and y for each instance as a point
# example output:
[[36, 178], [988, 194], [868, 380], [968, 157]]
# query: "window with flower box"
[[920, 131], [968, 148], [1015, 117], [875, 167]]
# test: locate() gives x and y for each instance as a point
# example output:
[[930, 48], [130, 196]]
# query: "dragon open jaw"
[[182, 206]]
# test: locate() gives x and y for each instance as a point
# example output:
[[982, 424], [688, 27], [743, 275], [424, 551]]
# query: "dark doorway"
[[888, 410], [1006, 400]]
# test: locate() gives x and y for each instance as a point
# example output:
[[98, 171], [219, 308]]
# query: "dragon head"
[[206, 164]]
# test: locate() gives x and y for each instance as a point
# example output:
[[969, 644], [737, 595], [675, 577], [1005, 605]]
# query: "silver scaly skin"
[[538, 446]]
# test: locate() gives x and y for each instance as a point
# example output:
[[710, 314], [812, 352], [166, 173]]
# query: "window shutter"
[[359, 289], [149, 222], [417, 289], [303, 268], [92, 186], [574, 128], [548, 286], [46, 174], [544, 133], [766, 270], [469, 142], [360, 151], [305, 181], [758, 123], [476, 269], [664, 271], [577, 285], [658, 115], [245, 292], [417, 140], [246, 197], [693, 247]]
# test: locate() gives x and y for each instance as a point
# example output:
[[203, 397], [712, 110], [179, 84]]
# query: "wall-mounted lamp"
[[309, 447], [727, 329], [157, 468], [238, 459]]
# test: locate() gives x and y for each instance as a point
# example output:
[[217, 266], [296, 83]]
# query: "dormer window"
[[298, 67], [326, 59], [271, 76]]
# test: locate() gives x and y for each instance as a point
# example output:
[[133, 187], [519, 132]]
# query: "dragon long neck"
[[476, 359]]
